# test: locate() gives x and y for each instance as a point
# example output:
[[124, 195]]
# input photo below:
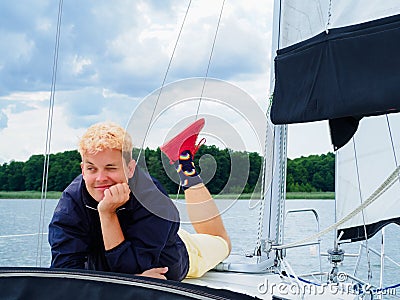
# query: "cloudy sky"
[[114, 54]]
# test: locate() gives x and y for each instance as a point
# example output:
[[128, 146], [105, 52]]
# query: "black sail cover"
[[342, 76], [66, 284]]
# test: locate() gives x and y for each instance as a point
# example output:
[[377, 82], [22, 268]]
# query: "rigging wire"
[[209, 59], [48, 138], [282, 153], [257, 250], [161, 89], [167, 71], [383, 229], [374, 291], [328, 22], [20, 235], [281, 129], [391, 140], [164, 80], [362, 211]]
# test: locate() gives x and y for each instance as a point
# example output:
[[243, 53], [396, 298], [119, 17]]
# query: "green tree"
[[33, 170], [315, 173], [3, 177], [217, 167], [16, 178]]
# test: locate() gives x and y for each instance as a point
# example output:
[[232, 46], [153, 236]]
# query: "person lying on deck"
[[115, 217]]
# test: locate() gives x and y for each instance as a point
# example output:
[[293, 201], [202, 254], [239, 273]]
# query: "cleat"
[[186, 140]]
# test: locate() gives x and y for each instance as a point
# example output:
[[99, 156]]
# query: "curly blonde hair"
[[106, 135]]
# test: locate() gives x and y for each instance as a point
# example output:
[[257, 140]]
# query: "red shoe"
[[186, 140]]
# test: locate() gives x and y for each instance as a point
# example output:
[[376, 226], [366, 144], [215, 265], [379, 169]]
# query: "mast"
[[275, 192]]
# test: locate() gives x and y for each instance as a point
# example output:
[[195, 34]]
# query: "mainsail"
[[338, 61], [351, 72]]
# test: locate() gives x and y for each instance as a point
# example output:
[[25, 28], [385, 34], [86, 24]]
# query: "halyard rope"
[[209, 59]]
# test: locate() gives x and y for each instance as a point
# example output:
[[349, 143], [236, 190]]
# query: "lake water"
[[20, 245]]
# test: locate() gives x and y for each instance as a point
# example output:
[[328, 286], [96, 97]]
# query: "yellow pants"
[[205, 251]]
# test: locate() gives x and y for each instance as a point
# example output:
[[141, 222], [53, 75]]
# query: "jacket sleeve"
[[150, 230], [67, 236], [145, 240]]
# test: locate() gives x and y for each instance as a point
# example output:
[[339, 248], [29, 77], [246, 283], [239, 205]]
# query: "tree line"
[[222, 170]]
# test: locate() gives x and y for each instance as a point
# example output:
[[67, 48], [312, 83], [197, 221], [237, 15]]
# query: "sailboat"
[[336, 61], [333, 60]]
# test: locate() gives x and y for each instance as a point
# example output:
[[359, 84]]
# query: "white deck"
[[263, 285]]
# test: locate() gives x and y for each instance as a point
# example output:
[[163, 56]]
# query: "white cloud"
[[79, 64], [3, 120], [44, 24], [27, 96], [112, 55], [309, 138], [24, 135], [15, 48]]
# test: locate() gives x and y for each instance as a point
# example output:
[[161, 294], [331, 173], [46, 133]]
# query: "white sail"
[[320, 41], [301, 20], [363, 165]]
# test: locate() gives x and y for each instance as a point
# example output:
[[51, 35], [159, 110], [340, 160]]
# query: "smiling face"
[[104, 169]]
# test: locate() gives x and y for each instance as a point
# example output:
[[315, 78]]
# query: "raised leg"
[[202, 210], [204, 213]]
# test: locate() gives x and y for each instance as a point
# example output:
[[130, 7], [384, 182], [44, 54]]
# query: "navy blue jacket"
[[149, 225]]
